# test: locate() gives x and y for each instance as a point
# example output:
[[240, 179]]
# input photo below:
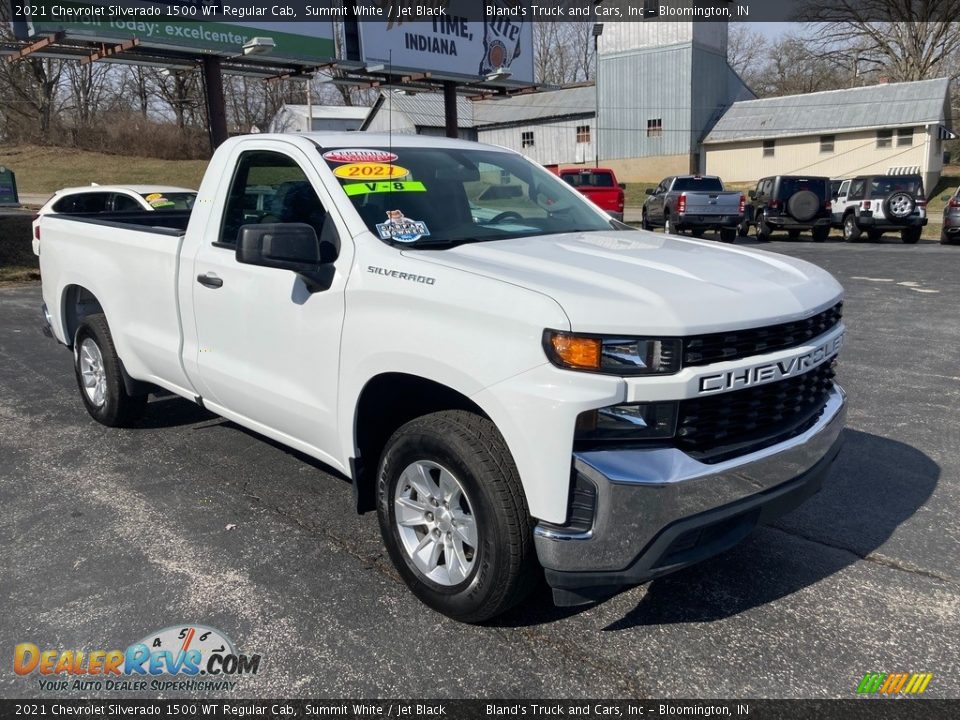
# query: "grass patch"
[[15, 274], [46, 169]]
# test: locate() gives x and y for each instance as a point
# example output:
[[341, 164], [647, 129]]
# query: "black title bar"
[[401, 11]]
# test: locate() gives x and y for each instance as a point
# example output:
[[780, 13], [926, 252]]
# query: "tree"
[[747, 51], [900, 39]]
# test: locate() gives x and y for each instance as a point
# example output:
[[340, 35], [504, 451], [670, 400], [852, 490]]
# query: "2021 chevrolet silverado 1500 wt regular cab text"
[[508, 377]]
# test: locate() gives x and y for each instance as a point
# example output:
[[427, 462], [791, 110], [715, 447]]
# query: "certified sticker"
[[359, 155], [369, 170], [401, 229]]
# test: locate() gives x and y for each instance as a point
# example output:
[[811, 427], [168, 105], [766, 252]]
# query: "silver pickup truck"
[[696, 203]]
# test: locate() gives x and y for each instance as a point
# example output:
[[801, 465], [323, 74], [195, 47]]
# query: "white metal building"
[[307, 118]]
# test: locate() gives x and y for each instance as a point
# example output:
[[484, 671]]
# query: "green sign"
[[8, 187], [306, 42]]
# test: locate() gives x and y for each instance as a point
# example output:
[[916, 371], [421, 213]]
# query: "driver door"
[[267, 349]]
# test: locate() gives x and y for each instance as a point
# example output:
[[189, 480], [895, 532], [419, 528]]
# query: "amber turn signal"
[[576, 351]]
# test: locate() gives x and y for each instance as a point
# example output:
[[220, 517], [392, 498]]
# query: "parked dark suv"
[[789, 202], [951, 219]]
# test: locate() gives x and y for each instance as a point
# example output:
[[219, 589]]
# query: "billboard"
[[305, 42], [451, 47]]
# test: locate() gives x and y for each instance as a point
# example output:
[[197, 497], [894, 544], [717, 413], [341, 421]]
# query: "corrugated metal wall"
[[642, 86], [554, 143]]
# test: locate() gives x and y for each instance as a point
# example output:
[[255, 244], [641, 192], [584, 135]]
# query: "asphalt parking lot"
[[111, 534]]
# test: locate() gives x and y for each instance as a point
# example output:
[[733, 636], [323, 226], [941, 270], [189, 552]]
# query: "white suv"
[[880, 203]]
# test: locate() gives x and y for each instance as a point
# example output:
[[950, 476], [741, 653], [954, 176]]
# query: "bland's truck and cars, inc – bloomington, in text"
[[511, 378]]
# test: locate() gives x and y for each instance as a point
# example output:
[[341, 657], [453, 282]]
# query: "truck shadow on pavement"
[[875, 486]]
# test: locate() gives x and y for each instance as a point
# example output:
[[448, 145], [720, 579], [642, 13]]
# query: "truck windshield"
[[706, 184], [447, 196]]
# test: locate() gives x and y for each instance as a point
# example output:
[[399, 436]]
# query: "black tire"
[[764, 231], [803, 205], [945, 239], [793, 234], [504, 564], [644, 223], [743, 229], [669, 227], [696, 232], [728, 235], [874, 235], [851, 231], [820, 234], [911, 235], [117, 408]]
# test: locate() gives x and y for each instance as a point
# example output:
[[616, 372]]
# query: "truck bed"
[[162, 223]]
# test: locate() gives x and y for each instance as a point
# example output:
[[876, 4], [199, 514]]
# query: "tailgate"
[[712, 203]]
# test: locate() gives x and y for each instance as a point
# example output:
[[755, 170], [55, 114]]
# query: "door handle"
[[210, 280]]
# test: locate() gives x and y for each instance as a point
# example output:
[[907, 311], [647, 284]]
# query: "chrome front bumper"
[[659, 510]]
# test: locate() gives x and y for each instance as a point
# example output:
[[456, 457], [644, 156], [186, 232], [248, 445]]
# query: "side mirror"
[[622, 186], [288, 246], [752, 194], [650, 191]]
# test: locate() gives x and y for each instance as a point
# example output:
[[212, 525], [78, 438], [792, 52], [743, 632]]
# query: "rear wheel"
[[697, 233], [728, 235], [851, 231], [644, 222], [911, 235], [668, 226], [453, 516], [820, 234], [794, 234], [763, 230], [945, 239], [100, 377]]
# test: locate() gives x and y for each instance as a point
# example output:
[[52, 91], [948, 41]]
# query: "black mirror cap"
[[290, 246], [752, 194], [622, 186]]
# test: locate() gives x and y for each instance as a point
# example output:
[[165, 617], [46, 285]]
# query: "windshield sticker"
[[401, 229], [157, 201], [356, 155], [367, 188], [364, 170]]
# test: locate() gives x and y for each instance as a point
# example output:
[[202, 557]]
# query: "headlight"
[[628, 422], [612, 354]]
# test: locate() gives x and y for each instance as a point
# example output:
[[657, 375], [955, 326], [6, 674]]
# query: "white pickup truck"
[[510, 378]]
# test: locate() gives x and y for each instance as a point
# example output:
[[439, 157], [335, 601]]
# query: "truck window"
[[269, 187], [589, 179], [440, 197], [706, 184]]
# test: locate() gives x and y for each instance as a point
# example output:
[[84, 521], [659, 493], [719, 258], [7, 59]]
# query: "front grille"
[[717, 347], [716, 428]]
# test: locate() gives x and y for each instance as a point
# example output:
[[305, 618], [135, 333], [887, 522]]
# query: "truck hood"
[[644, 283]]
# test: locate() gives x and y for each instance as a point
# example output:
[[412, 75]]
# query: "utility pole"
[[450, 108], [216, 106]]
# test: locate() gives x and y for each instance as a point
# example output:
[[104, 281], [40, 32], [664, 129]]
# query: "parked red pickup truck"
[[599, 185]]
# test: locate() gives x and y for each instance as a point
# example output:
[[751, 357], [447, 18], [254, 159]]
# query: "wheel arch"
[[76, 304], [386, 402]]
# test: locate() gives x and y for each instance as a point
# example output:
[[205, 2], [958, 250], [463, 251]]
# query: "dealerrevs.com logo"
[[191, 657]]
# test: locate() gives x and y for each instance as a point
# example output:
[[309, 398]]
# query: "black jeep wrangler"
[[789, 202]]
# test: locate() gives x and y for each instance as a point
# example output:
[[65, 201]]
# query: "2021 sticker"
[[369, 170]]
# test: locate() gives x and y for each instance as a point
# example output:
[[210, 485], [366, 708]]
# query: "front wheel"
[[820, 234], [763, 230], [644, 222], [453, 516], [728, 235], [100, 377]]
